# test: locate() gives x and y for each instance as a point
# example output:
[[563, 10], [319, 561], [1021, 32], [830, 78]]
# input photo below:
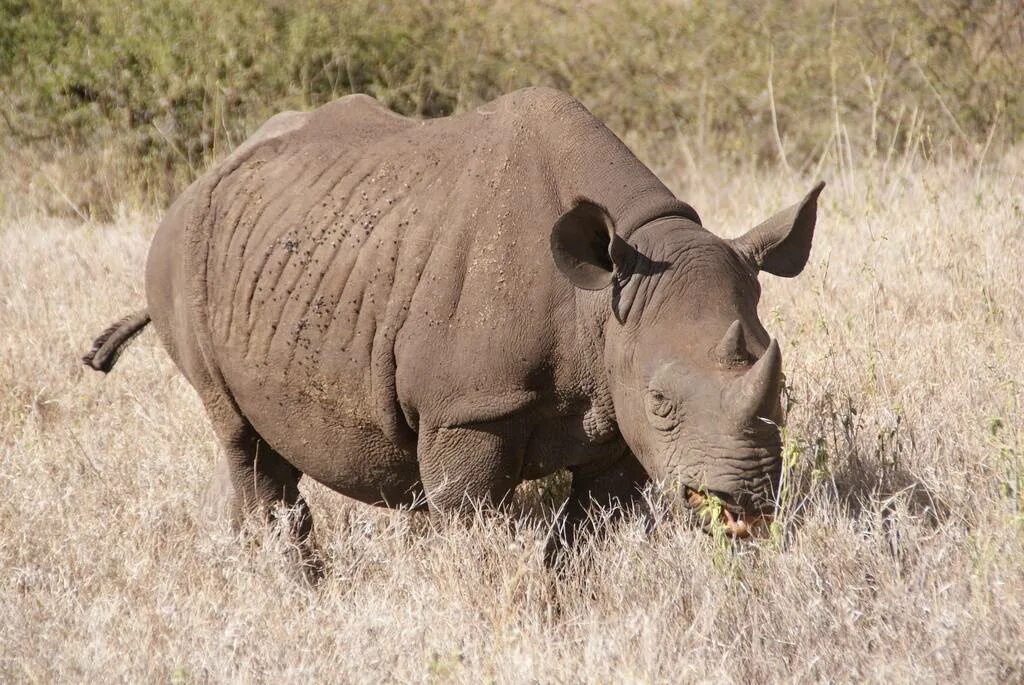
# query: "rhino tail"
[[108, 346]]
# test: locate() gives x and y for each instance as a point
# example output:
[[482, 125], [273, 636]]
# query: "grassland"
[[900, 556], [899, 550]]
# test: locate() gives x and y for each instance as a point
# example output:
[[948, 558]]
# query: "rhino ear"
[[782, 244], [585, 247]]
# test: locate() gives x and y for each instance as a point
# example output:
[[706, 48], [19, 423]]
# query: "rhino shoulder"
[[276, 126], [541, 102], [279, 124], [542, 96]]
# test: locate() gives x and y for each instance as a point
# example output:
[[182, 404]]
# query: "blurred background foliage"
[[108, 102]]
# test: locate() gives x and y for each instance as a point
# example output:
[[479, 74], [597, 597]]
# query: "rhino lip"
[[736, 523]]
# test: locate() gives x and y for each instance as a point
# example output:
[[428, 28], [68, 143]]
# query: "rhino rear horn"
[[733, 347], [759, 388], [782, 244]]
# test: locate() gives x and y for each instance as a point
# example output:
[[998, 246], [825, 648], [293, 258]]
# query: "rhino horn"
[[733, 346], [758, 389]]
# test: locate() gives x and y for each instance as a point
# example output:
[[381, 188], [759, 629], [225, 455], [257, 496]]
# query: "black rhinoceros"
[[435, 311]]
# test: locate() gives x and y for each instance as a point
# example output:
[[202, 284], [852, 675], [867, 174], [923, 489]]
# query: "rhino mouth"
[[717, 511]]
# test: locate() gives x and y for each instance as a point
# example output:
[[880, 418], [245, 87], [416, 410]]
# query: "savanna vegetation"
[[107, 102], [898, 552]]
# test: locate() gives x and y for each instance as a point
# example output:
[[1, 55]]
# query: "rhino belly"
[[327, 431]]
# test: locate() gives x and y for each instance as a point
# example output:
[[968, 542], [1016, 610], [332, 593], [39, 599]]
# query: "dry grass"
[[900, 556]]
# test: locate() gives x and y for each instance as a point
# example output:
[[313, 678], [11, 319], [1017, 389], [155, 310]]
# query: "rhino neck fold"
[[575, 156], [594, 164], [592, 312]]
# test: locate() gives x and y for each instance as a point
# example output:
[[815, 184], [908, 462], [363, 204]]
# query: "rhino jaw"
[[714, 513]]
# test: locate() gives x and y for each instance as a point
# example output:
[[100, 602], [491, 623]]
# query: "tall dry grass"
[[899, 557]]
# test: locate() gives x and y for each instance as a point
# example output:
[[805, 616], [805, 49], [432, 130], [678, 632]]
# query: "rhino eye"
[[659, 405]]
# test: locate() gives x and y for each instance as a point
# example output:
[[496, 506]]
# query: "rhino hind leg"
[[251, 484], [216, 504]]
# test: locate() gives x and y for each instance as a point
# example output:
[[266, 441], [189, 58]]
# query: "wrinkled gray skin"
[[435, 311]]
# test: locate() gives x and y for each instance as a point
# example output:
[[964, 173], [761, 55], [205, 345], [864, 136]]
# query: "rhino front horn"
[[759, 388]]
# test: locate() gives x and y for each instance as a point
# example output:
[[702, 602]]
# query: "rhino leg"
[[257, 481], [216, 502], [462, 467], [614, 485]]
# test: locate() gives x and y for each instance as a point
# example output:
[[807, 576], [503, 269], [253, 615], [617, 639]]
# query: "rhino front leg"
[[614, 484], [462, 467]]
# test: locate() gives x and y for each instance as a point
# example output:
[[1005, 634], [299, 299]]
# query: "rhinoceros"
[[430, 312]]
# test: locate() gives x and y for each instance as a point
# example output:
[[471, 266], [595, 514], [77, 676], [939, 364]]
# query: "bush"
[[128, 101]]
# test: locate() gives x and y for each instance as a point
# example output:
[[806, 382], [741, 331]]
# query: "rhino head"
[[694, 377]]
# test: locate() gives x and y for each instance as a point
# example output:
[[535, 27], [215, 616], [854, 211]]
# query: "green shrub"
[[139, 97]]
